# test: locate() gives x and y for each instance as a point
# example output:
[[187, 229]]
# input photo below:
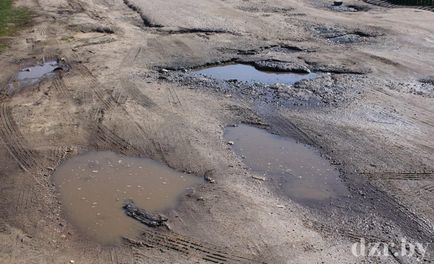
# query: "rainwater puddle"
[[93, 188], [32, 75], [248, 73], [298, 170]]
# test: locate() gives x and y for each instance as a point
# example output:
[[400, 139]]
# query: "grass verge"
[[11, 20]]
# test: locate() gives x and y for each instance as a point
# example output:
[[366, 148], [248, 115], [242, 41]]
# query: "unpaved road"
[[370, 112]]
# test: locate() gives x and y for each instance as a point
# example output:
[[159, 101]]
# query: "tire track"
[[410, 176], [189, 247], [173, 97], [25, 199], [93, 83], [119, 97], [57, 156], [15, 142], [429, 188], [105, 137], [390, 5], [132, 56], [119, 255], [60, 86], [349, 234], [402, 216], [76, 6], [108, 139], [286, 128], [136, 94]]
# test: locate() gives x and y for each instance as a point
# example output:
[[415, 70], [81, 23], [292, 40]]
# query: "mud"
[[95, 186], [130, 90]]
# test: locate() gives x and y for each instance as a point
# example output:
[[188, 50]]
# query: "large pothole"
[[95, 186], [250, 74], [297, 170]]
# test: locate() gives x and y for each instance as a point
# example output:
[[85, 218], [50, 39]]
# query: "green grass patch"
[[12, 18], [3, 47]]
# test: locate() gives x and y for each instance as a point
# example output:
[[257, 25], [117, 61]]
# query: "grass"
[[3, 47], [11, 19]]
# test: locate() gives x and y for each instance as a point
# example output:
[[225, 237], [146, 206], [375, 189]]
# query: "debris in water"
[[142, 215]]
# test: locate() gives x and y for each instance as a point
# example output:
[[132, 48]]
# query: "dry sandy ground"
[[373, 119]]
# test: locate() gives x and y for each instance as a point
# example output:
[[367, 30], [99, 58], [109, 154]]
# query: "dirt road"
[[126, 85]]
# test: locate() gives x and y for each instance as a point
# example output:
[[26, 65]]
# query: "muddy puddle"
[[33, 75], [296, 169], [248, 73], [93, 188]]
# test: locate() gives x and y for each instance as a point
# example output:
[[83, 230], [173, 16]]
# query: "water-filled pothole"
[[32, 75], [94, 187], [248, 73], [296, 169]]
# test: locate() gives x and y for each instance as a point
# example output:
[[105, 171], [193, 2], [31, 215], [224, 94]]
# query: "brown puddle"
[[297, 169], [93, 188]]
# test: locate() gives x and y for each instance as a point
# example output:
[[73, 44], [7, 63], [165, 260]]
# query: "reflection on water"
[[247, 73], [299, 170]]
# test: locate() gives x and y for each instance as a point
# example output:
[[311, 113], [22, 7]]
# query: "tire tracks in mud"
[[60, 86], [107, 100], [284, 127], [15, 142], [429, 188], [407, 220], [386, 4], [110, 139], [346, 233], [173, 97], [409, 176], [106, 138], [188, 247], [25, 199], [136, 95], [132, 56]]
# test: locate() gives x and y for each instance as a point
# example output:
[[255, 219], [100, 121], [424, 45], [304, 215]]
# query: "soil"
[[127, 87]]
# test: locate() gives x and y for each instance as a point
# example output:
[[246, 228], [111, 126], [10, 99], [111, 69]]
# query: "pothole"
[[341, 35], [94, 188], [297, 170], [32, 75], [248, 73], [350, 8]]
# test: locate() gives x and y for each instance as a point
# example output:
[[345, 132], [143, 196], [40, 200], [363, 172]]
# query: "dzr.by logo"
[[383, 249]]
